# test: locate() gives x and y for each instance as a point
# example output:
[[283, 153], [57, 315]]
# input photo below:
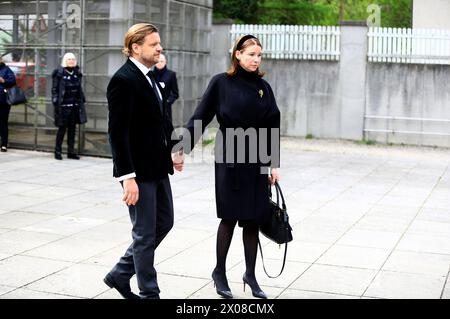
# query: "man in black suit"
[[140, 137], [168, 80]]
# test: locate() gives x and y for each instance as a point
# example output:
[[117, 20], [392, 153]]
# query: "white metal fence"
[[293, 41], [422, 46], [387, 45]]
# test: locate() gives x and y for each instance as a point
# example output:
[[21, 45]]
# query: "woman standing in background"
[[7, 80], [68, 101]]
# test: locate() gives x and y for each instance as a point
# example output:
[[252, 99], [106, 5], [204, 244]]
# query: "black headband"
[[242, 41]]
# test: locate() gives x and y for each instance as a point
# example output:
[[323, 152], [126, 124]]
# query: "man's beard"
[[149, 60]]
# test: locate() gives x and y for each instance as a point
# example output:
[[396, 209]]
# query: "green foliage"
[[296, 12], [394, 13], [241, 10], [366, 142]]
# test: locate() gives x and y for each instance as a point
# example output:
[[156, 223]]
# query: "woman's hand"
[[274, 176]]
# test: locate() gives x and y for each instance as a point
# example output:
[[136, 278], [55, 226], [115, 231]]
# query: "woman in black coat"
[[246, 110], [7, 80], [68, 101]]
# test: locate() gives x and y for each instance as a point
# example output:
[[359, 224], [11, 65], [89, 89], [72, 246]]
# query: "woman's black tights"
[[250, 239]]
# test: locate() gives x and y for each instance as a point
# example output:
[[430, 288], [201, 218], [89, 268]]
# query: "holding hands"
[[131, 189], [274, 176], [178, 160]]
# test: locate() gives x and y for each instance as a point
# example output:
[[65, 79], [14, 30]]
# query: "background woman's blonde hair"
[[137, 34], [234, 61], [68, 55]]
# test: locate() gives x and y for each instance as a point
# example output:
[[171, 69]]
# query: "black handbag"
[[277, 227], [15, 96]]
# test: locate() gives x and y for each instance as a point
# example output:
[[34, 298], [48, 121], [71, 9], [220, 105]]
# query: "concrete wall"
[[219, 51], [413, 91], [431, 14], [331, 99], [325, 99]]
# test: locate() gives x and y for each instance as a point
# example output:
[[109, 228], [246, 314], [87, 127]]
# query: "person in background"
[[7, 80], [68, 101], [168, 80]]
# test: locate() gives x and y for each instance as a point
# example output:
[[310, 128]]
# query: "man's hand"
[[130, 192], [178, 161], [274, 176], [2, 80]]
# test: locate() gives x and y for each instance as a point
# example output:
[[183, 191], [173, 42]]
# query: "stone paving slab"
[[24, 293], [19, 241], [19, 270], [303, 294], [368, 222], [334, 279], [405, 286], [356, 257], [80, 280]]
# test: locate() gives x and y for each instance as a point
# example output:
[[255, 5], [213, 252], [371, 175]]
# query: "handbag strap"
[[276, 192], [278, 188], [264, 267], [279, 193]]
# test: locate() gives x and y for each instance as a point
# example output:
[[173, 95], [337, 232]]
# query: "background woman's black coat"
[[58, 88], [236, 101], [10, 81], [169, 78]]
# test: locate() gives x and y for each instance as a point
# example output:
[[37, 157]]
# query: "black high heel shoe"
[[256, 290], [221, 286]]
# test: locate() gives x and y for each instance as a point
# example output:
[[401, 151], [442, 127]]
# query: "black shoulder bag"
[[277, 228], [15, 96]]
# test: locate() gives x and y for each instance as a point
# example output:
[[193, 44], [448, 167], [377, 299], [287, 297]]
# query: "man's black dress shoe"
[[151, 297], [124, 290], [58, 156], [73, 156]]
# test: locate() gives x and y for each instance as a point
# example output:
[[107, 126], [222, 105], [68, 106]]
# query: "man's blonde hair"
[[137, 34]]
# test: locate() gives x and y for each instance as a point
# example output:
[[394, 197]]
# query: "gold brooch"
[[261, 93]]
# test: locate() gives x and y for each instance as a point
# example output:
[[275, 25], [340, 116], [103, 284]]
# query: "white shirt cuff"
[[124, 177]]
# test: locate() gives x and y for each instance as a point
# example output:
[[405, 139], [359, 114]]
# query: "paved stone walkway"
[[369, 222]]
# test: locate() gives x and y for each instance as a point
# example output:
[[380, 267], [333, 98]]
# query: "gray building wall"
[[431, 14], [97, 40], [413, 91]]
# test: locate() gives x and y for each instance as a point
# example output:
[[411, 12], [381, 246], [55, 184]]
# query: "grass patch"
[[368, 142], [208, 141], [309, 137]]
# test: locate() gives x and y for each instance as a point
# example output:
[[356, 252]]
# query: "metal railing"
[[420, 46], [407, 132], [293, 42]]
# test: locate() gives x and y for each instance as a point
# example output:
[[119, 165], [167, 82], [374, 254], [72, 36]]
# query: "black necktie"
[[155, 89]]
